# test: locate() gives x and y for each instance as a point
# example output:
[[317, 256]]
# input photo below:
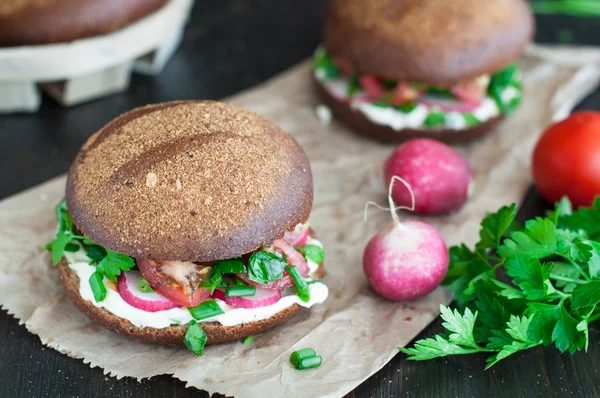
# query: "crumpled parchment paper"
[[355, 331]]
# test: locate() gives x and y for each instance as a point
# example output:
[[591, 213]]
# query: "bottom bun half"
[[172, 335], [361, 124]]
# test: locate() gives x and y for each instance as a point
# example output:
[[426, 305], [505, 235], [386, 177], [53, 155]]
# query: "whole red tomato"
[[566, 159]]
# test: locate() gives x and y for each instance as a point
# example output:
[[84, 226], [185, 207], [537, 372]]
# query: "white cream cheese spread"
[[114, 303], [398, 120]]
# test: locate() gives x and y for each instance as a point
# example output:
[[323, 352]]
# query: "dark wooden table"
[[229, 46]]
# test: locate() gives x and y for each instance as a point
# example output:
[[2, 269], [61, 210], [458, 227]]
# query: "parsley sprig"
[[108, 263], [547, 294]]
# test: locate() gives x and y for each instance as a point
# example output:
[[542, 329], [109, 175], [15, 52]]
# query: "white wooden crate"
[[90, 68]]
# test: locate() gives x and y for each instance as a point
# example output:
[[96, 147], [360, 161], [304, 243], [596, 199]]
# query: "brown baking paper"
[[355, 331]]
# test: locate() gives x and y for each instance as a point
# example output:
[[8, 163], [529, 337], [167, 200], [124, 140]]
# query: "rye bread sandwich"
[[400, 69], [187, 223], [31, 22]]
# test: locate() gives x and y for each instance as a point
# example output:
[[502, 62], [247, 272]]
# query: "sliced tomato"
[[344, 65], [405, 93], [187, 296], [467, 93], [293, 258], [372, 86]]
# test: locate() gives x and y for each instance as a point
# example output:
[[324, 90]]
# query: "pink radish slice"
[[297, 237], [467, 94], [150, 302], [294, 258], [262, 298], [448, 105]]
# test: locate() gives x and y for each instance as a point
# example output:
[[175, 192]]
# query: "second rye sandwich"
[[444, 69], [187, 223]]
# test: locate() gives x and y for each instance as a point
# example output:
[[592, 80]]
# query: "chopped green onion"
[[305, 359], [311, 362], [313, 252], [97, 284], [143, 286], [353, 85], [296, 356], [248, 340], [240, 291], [234, 266], [300, 282], [406, 108], [212, 281], [205, 310], [435, 119], [470, 119], [195, 338]]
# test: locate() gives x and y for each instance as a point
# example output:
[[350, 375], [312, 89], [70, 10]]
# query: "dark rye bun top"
[[432, 41], [189, 181], [29, 22]]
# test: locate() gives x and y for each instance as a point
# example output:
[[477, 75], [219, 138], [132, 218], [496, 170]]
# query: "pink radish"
[[440, 177], [293, 258], [262, 298], [150, 302], [405, 261], [297, 237]]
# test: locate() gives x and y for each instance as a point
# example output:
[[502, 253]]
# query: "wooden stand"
[[86, 69]]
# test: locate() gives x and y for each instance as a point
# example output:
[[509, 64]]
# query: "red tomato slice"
[[344, 65], [168, 287], [293, 257], [405, 93], [372, 86], [466, 93]]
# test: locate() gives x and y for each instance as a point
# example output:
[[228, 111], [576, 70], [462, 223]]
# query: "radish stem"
[[392, 206]]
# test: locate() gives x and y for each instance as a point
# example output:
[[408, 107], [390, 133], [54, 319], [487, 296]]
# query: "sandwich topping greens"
[[155, 294], [400, 104]]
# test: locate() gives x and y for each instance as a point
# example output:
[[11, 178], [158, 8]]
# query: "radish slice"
[[150, 302], [262, 298], [294, 258], [448, 105], [467, 94], [297, 237]]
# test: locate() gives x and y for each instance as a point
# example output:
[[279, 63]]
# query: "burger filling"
[[160, 294], [402, 104]]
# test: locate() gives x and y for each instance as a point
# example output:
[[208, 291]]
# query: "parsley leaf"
[[531, 276], [587, 295], [312, 252], [539, 240], [585, 218], [112, 265], [518, 339], [459, 341], [494, 226], [195, 338], [265, 267]]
